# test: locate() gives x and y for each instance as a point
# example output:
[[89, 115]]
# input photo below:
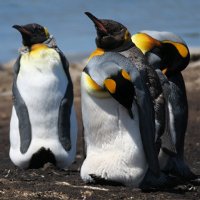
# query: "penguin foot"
[[186, 188], [152, 183], [195, 181], [177, 167], [102, 181]]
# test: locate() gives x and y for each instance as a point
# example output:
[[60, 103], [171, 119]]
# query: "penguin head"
[[110, 34], [32, 33], [163, 50]]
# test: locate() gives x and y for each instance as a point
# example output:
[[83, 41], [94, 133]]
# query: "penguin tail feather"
[[42, 157]]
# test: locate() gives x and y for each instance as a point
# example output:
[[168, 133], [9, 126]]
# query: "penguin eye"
[[40, 28]]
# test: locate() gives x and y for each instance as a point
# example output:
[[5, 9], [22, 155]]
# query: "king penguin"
[[118, 112], [43, 125], [169, 53]]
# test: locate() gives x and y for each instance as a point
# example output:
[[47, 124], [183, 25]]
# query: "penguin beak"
[[22, 30], [99, 25]]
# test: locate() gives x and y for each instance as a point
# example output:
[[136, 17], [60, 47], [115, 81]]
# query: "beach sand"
[[52, 184]]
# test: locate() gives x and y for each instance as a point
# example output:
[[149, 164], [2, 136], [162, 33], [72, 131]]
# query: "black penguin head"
[[168, 58], [32, 33], [172, 59], [163, 50], [110, 34]]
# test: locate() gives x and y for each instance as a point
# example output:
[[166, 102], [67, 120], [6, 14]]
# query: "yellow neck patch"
[[110, 85], [37, 47], [144, 42], [92, 87], [97, 52], [183, 51]]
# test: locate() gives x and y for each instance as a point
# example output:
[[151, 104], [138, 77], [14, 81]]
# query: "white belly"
[[42, 87], [114, 146], [42, 84]]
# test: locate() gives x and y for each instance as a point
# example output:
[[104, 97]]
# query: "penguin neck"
[[50, 42], [134, 54], [37, 48], [125, 46]]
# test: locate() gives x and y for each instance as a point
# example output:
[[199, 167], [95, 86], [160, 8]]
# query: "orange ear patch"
[[144, 42], [183, 51], [110, 85], [125, 75]]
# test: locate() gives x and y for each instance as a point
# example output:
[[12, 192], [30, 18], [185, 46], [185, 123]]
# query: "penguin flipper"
[[101, 67], [65, 107], [147, 120], [22, 112], [167, 143], [147, 129]]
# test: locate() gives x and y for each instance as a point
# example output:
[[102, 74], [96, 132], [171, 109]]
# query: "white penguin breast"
[[113, 142], [111, 136], [42, 84]]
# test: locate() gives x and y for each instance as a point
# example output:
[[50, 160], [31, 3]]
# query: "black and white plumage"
[[168, 52], [118, 112], [43, 123]]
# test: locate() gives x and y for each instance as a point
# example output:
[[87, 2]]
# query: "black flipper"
[[176, 165], [22, 112], [65, 107], [147, 125], [152, 81], [167, 143], [178, 101], [153, 90]]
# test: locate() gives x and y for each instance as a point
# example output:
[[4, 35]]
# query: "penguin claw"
[[96, 178], [102, 181]]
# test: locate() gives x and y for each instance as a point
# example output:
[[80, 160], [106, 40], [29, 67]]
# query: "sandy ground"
[[51, 183]]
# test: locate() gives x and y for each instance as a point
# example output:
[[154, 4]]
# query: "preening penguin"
[[169, 53], [118, 113], [43, 123]]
